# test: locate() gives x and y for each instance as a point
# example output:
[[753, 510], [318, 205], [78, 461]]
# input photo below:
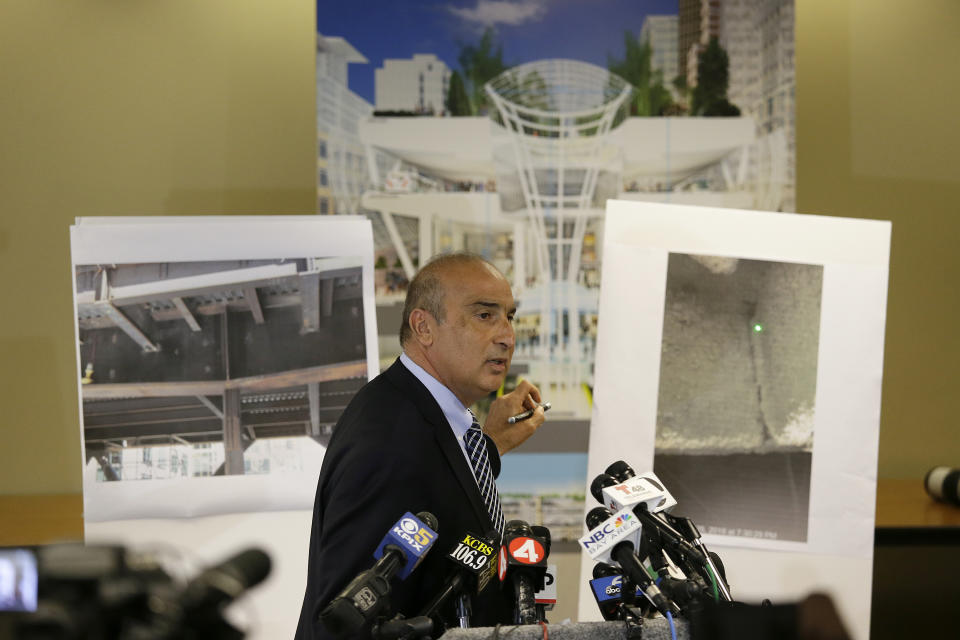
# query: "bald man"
[[408, 442]]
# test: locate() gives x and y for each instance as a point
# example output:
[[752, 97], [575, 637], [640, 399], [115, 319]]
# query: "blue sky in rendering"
[[586, 30], [543, 473]]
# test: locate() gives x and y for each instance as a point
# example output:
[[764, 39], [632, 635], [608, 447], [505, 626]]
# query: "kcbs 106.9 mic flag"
[[474, 563]]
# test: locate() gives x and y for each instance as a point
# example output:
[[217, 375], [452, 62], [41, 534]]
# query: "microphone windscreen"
[[517, 527], [604, 570], [544, 534], [596, 516], [248, 567], [223, 583], [621, 470], [430, 520], [943, 483], [599, 483]]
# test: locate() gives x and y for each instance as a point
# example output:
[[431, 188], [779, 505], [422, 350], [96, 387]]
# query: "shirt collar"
[[457, 415]]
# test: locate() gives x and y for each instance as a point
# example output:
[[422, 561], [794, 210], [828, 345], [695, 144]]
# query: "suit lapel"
[[400, 376]]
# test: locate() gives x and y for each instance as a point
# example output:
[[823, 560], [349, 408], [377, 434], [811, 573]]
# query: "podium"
[[651, 629]]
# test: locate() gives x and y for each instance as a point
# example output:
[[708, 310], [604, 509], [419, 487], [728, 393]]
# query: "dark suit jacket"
[[393, 451]]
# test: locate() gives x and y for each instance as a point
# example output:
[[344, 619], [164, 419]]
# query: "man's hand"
[[509, 436]]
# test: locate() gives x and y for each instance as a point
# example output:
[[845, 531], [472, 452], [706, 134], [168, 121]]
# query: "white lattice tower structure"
[[558, 114]]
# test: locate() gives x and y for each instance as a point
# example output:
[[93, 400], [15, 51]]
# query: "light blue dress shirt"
[[456, 414]]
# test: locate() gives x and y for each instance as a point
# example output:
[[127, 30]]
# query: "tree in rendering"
[[650, 97], [480, 64], [458, 103], [713, 78]]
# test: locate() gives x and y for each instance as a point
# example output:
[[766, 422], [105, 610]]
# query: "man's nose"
[[506, 336]]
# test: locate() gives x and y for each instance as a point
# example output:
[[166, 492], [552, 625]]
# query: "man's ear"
[[422, 325]]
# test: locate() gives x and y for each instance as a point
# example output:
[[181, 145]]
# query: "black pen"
[[527, 414]]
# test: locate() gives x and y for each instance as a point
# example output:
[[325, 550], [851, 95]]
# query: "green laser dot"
[[757, 328]]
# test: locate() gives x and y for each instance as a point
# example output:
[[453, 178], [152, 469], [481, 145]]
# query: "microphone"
[[366, 596], [475, 563], [607, 587], [523, 562], [645, 496], [615, 494], [712, 561], [614, 537], [943, 484], [649, 499], [223, 583]]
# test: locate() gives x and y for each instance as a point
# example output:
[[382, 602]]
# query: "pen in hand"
[[527, 414]]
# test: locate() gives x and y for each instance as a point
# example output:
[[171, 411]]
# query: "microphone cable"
[[673, 628]]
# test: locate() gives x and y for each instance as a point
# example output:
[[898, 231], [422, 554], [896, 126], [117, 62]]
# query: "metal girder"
[[214, 409], [209, 426], [185, 313], [310, 302], [326, 297], [253, 302], [267, 301], [152, 389], [321, 373], [313, 396], [126, 325], [190, 286], [232, 442]]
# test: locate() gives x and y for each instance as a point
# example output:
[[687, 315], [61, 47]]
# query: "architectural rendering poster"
[[740, 356], [214, 357], [502, 127]]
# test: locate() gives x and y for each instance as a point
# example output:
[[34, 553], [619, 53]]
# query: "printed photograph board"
[[215, 358]]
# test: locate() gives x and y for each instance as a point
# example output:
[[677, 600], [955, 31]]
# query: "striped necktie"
[[480, 461]]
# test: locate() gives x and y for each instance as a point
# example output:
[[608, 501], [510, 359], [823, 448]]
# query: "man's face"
[[474, 343]]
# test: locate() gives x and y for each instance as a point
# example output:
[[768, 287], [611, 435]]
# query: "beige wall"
[[182, 107], [878, 137], [118, 108]]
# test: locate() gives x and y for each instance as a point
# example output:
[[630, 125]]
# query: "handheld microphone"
[[523, 562], [475, 563], [632, 491], [645, 496], [650, 500], [943, 484], [614, 537], [607, 587], [223, 583], [689, 531], [367, 595]]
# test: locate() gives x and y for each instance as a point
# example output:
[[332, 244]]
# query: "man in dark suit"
[[402, 444]]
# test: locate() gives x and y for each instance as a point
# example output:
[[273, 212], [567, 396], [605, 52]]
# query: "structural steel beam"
[[127, 326], [185, 312], [310, 302], [190, 286], [313, 395], [268, 382], [253, 302], [214, 409], [326, 297], [232, 442]]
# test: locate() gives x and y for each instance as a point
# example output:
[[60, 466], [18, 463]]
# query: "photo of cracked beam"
[[181, 357], [737, 392]]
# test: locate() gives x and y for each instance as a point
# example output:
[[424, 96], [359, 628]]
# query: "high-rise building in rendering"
[[342, 175], [758, 38], [418, 84], [662, 32]]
